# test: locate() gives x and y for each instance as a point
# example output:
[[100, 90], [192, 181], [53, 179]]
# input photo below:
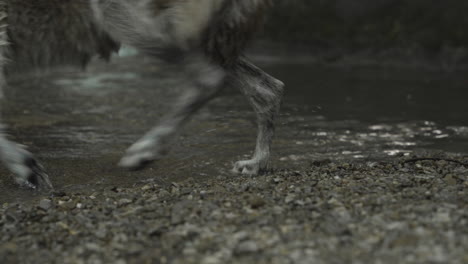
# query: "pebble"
[[290, 198], [45, 204], [450, 180], [67, 205], [124, 202], [247, 247], [256, 201]]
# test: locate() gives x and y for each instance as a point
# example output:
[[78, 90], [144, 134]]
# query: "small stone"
[[156, 230], [189, 251], [124, 202], [134, 248], [101, 233], [67, 205], [359, 176], [93, 247], [299, 202], [256, 201], [147, 187], [212, 259], [175, 190], [247, 247], [240, 236], [185, 191], [181, 211], [163, 193], [442, 217], [278, 210], [450, 180], [10, 247], [290, 197], [58, 194], [45, 204]]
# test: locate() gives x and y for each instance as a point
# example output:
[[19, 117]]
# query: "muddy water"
[[79, 123]]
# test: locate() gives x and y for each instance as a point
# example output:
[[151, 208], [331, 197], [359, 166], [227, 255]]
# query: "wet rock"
[[45, 204]]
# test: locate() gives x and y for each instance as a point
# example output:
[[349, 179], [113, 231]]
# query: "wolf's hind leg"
[[265, 95]]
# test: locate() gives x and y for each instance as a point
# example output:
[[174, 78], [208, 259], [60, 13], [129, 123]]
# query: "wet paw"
[[140, 154], [247, 167], [31, 174]]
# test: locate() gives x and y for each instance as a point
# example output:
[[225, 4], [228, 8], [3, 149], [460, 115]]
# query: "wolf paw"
[[140, 154], [247, 167], [31, 174]]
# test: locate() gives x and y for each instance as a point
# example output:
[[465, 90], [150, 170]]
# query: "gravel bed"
[[327, 212]]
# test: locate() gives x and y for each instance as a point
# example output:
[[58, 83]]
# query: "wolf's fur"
[[49, 33], [204, 39]]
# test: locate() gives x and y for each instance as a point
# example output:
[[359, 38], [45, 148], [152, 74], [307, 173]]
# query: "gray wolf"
[[203, 39]]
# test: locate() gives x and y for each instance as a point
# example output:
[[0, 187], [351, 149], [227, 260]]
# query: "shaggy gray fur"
[[202, 39]]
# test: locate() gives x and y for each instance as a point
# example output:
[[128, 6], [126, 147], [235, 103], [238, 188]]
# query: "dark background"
[[372, 59], [434, 30]]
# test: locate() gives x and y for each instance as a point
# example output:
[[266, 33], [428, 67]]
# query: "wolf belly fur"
[[202, 39]]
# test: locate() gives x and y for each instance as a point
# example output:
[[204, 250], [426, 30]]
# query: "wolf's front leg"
[[264, 94], [204, 80], [27, 171]]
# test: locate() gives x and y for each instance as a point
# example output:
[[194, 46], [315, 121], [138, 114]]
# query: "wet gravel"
[[323, 212]]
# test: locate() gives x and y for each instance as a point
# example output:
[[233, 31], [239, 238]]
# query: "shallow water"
[[372, 113], [80, 123]]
